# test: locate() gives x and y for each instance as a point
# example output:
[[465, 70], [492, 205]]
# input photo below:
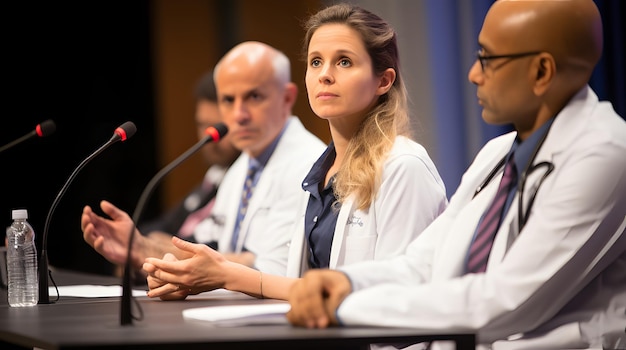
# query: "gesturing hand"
[[109, 237]]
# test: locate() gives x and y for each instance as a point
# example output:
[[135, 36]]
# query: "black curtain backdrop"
[[85, 65]]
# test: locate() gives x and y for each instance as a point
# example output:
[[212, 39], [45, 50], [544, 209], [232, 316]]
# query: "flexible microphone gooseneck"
[[43, 129], [122, 133], [214, 134]]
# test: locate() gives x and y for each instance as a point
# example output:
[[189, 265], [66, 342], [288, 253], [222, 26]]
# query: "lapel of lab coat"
[[455, 238], [564, 131], [336, 252], [260, 193], [229, 197], [299, 249], [297, 262]]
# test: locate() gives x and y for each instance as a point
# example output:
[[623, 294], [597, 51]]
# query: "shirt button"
[[305, 184], [315, 219]]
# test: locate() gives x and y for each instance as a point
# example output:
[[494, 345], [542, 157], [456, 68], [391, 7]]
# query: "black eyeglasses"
[[484, 59]]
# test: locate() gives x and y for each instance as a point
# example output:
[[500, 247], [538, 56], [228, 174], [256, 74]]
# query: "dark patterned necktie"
[[248, 188], [485, 234]]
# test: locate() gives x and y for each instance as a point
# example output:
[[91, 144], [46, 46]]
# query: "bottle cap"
[[19, 214]]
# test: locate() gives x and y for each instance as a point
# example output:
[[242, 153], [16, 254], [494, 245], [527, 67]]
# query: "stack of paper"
[[240, 315]]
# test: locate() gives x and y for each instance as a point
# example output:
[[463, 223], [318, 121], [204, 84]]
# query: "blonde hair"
[[361, 172]]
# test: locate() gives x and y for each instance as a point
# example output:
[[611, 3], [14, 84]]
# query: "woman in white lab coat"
[[370, 193]]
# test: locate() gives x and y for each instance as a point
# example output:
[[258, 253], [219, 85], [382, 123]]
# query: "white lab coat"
[[266, 228], [560, 283], [410, 197]]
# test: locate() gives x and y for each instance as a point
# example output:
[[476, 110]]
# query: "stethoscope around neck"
[[530, 168]]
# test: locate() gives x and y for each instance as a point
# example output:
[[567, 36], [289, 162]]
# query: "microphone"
[[122, 133], [43, 129], [214, 134]]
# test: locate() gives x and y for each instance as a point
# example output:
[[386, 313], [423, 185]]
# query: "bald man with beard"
[[549, 270]]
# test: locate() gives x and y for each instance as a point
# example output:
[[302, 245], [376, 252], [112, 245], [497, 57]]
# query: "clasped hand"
[[173, 279]]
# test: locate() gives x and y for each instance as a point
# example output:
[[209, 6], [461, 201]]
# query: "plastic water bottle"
[[22, 262]]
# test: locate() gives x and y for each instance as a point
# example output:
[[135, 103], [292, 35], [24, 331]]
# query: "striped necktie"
[[490, 222], [248, 188]]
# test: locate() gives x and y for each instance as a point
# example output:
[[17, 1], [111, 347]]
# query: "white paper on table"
[[91, 291], [240, 315]]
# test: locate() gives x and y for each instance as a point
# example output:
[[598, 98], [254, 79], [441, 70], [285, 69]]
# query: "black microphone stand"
[[44, 271], [17, 141], [126, 316], [44, 129]]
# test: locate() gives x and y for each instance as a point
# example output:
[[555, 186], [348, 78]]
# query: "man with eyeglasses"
[[531, 251]]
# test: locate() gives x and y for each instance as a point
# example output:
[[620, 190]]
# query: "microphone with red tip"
[[43, 129], [214, 134], [122, 133]]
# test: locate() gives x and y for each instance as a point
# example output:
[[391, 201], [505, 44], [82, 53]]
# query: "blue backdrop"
[[458, 137]]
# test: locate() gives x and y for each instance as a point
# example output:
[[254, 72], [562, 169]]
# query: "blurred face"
[[339, 78], [505, 87], [221, 153], [253, 105]]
